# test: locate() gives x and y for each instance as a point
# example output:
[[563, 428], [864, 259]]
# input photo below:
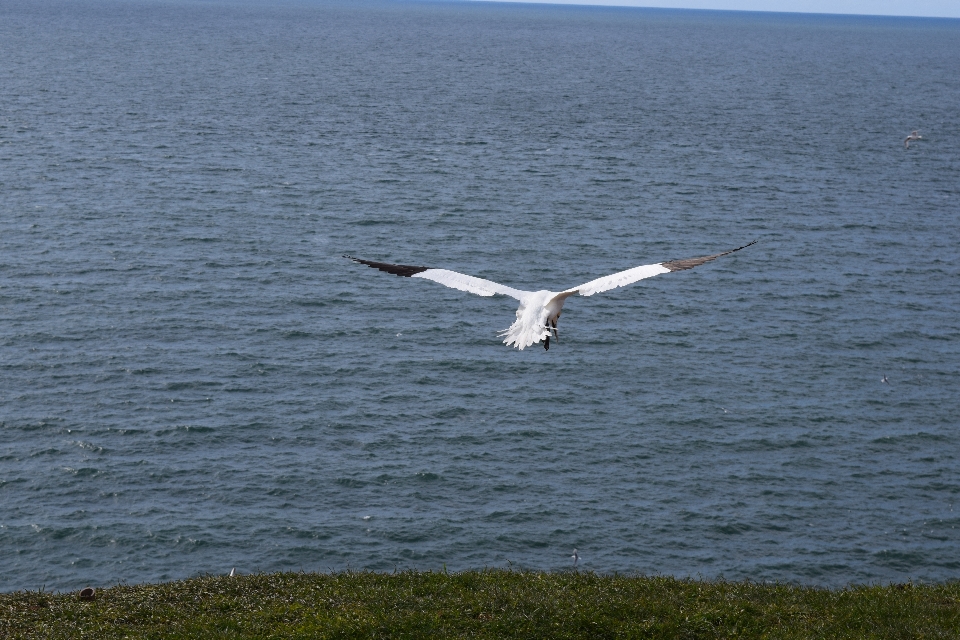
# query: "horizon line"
[[731, 5]]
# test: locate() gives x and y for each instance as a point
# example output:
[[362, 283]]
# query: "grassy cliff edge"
[[482, 604]]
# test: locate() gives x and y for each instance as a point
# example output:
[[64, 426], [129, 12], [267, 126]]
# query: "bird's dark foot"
[[546, 344]]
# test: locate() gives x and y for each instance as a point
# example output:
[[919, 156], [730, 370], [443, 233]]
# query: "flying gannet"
[[914, 135], [539, 311]]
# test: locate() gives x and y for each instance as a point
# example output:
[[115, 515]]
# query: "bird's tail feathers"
[[523, 334]]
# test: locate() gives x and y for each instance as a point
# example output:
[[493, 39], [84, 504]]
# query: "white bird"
[[539, 311], [576, 557], [914, 135], [884, 379], [233, 572]]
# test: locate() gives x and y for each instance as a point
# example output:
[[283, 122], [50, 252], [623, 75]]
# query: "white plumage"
[[539, 311]]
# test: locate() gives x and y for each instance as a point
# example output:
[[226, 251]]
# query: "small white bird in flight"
[[576, 558], [539, 311], [914, 135]]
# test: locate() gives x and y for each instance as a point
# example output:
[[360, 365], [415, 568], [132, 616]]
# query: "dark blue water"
[[192, 378]]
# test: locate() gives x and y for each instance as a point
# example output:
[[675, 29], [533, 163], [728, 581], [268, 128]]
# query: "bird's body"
[[914, 135], [539, 311], [537, 317]]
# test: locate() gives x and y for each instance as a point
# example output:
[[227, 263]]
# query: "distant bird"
[[539, 311], [884, 379], [576, 557], [233, 572], [914, 135]]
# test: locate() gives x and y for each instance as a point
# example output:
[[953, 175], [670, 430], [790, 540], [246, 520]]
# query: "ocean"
[[193, 378]]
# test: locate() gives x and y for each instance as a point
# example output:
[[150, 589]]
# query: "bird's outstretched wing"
[[630, 276], [445, 277]]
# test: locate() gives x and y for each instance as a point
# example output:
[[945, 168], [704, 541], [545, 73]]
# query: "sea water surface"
[[193, 379]]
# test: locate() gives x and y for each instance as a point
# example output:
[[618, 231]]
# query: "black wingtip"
[[690, 263], [403, 270]]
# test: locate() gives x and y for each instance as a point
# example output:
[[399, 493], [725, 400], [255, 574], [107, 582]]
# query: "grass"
[[482, 604]]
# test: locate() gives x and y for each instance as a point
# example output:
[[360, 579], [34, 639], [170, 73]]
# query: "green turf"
[[482, 604]]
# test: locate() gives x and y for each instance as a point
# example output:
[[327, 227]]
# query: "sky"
[[925, 8]]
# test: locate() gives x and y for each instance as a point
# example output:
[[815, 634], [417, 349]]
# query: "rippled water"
[[192, 378]]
